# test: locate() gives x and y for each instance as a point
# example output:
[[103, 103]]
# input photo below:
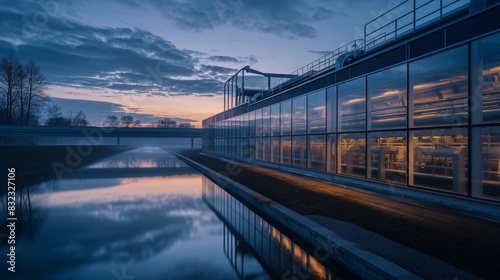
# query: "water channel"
[[144, 214]]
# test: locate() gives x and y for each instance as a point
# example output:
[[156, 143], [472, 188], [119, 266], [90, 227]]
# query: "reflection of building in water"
[[251, 243], [416, 104]]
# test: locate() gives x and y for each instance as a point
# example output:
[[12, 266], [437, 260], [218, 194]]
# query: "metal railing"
[[325, 62], [413, 15]]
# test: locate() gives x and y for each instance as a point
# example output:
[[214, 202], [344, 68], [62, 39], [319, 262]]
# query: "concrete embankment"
[[457, 244]]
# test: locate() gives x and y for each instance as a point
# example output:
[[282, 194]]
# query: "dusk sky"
[[170, 58]]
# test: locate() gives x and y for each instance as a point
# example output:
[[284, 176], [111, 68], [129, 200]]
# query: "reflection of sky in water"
[[152, 227], [143, 157]]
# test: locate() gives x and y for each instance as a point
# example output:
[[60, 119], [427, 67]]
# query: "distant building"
[[416, 103]]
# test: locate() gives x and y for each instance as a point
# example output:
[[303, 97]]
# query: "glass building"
[[418, 107]]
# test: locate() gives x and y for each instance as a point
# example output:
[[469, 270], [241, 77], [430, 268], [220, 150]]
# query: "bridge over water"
[[11, 135]]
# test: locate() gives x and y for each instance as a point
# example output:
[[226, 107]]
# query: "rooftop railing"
[[403, 18], [409, 16]]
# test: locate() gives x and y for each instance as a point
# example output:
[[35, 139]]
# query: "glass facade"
[[352, 105], [387, 99], [432, 122], [439, 89]]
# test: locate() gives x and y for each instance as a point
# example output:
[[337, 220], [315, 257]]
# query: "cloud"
[[291, 19], [129, 60], [319, 52]]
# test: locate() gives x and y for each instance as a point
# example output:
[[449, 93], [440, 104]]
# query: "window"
[[259, 148], [486, 79], [439, 90], [266, 121], [486, 158], [331, 152], [286, 150], [438, 159], [331, 109], [316, 112], [352, 153], [266, 143], [387, 99], [352, 105], [275, 120], [286, 117], [387, 155], [258, 123], [299, 147], [317, 152], [299, 115], [275, 149]]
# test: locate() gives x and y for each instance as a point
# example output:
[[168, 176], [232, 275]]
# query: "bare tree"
[[111, 121], [35, 90], [80, 119], [137, 123], [127, 120], [22, 91], [166, 122], [55, 116], [9, 66], [185, 125]]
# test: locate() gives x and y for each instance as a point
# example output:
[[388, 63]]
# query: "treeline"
[[128, 121], [22, 91]]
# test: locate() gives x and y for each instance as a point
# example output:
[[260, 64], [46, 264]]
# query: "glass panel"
[[299, 146], [286, 118], [246, 146], [286, 150], [275, 149], [486, 159], [439, 88], [238, 126], [251, 123], [352, 152], [275, 120], [331, 109], [331, 159], [438, 159], [317, 152], [252, 148], [387, 99], [352, 105], [316, 112], [259, 148], [244, 125], [486, 79], [299, 115], [258, 123], [266, 142], [388, 156], [266, 121]]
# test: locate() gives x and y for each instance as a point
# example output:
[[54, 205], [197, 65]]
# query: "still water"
[[144, 214]]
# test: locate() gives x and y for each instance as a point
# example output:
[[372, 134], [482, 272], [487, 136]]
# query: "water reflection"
[[249, 238], [147, 157], [106, 224], [150, 227]]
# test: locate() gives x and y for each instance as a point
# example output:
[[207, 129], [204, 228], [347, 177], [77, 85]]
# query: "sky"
[[170, 58]]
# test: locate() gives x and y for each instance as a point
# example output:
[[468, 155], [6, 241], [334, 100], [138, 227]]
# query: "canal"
[[144, 214]]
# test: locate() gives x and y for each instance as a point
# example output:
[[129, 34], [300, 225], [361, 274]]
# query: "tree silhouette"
[[127, 120], [111, 121]]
